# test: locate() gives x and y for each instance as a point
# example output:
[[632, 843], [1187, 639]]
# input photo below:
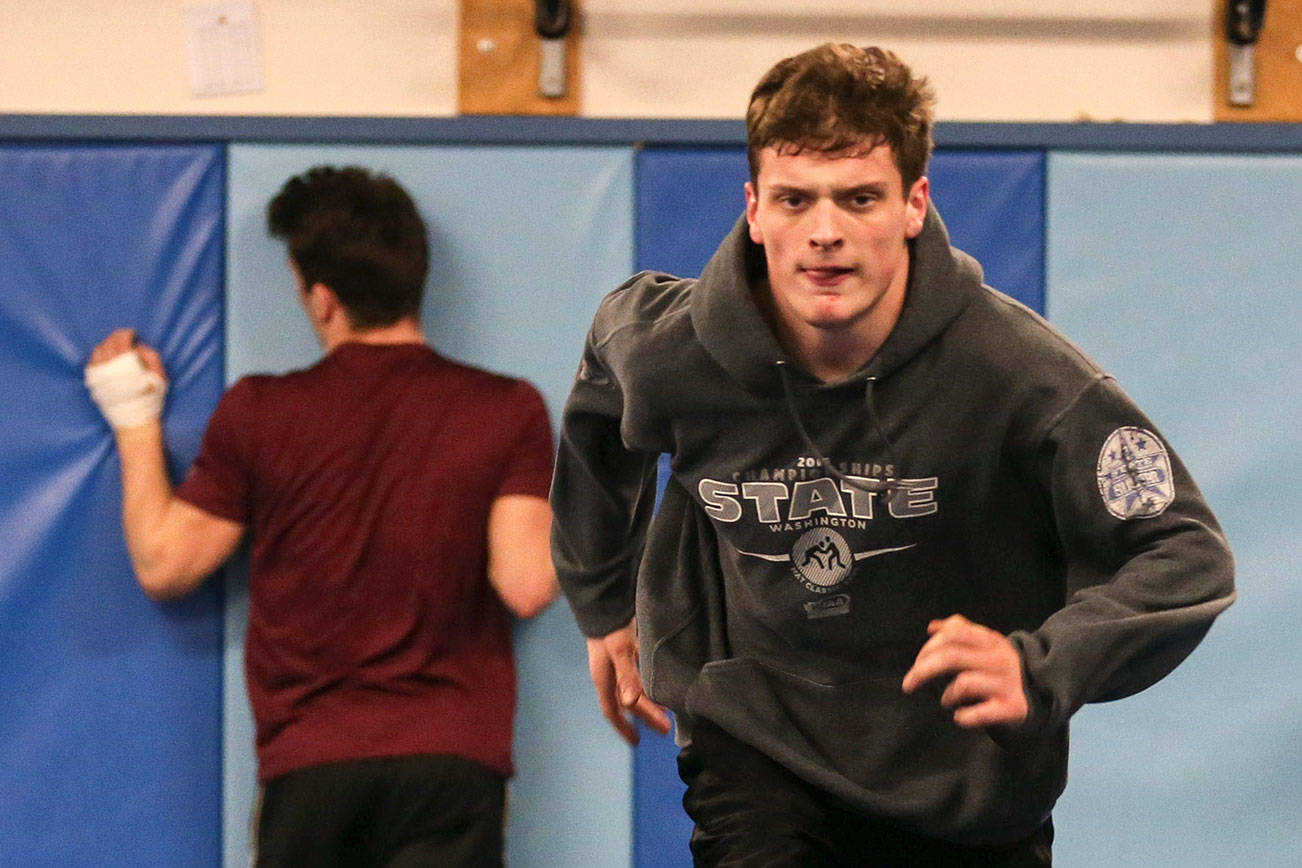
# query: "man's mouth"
[[826, 275]]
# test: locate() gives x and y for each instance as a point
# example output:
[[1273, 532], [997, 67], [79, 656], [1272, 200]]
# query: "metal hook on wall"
[[1242, 28], [552, 22]]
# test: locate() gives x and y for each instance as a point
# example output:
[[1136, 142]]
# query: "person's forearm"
[[146, 495]]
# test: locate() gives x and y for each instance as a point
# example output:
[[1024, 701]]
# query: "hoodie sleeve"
[[602, 500], [1148, 568]]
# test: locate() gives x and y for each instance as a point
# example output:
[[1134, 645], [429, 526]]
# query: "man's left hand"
[[986, 684], [126, 381]]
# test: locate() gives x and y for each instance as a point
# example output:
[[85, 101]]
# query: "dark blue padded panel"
[[686, 201], [109, 703], [992, 203], [993, 206]]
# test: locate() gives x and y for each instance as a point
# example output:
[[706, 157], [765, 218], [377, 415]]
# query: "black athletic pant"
[[395, 812], [751, 812]]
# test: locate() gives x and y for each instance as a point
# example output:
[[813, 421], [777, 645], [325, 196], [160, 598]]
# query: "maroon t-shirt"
[[366, 481]]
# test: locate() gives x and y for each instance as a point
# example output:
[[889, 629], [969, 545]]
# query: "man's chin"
[[831, 318]]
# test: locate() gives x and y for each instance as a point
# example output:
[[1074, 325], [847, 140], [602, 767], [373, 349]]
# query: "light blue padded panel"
[[526, 241], [1182, 275], [109, 702]]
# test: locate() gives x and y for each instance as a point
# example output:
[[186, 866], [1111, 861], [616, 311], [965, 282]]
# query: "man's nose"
[[825, 232]]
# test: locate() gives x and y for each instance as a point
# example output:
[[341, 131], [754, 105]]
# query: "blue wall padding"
[[1181, 274], [992, 203], [526, 241], [109, 703], [687, 200]]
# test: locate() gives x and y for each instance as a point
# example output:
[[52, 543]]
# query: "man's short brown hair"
[[358, 233], [838, 97]]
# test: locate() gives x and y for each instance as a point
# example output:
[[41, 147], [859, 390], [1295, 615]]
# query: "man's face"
[[835, 229]]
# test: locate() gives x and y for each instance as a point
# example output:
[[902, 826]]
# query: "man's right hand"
[[612, 662]]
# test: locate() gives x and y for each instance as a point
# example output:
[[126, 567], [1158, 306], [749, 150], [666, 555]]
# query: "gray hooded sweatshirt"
[[979, 464]]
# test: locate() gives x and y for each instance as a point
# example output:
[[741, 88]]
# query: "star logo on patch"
[[1134, 474]]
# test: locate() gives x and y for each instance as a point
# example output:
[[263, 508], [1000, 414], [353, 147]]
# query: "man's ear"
[[323, 302], [916, 207], [752, 207]]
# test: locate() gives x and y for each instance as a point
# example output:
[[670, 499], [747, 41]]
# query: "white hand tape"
[[127, 393]]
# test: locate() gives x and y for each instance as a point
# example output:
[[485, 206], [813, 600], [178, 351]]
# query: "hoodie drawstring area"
[[890, 483]]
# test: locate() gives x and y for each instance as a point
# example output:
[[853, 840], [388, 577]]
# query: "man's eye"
[[863, 200], [791, 201]]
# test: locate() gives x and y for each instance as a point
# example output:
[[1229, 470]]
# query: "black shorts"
[[394, 812], [750, 811]]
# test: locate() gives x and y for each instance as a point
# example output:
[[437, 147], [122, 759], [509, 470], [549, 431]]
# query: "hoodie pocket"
[[886, 752]]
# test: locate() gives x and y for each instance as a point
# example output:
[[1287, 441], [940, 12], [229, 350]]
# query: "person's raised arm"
[[173, 545]]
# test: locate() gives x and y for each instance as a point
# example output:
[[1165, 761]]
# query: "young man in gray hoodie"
[[910, 528]]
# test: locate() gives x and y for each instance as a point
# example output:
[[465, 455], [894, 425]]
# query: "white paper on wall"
[[224, 49]]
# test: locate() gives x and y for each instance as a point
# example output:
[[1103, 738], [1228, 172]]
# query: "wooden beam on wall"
[[499, 61], [1278, 94]]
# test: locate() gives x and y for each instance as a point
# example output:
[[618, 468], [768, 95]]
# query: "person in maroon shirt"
[[396, 504]]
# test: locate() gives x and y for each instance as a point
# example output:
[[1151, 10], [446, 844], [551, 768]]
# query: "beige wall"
[[1005, 60]]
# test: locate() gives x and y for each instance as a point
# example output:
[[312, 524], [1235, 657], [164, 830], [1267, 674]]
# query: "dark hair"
[[359, 234], [837, 97]]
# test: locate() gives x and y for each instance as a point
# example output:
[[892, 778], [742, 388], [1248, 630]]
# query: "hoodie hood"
[[942, 282]]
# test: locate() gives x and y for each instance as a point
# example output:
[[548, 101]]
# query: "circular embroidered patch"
[[1134, 474], [822, 558]]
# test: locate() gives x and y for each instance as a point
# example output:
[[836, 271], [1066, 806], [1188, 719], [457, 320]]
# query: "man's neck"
[[404, 331], [832, 355]]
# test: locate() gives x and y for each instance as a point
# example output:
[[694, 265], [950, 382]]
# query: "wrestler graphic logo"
[[822, 560], [1134, 474]]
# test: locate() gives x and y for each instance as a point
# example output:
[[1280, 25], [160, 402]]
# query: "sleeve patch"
[[1134, 474]]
